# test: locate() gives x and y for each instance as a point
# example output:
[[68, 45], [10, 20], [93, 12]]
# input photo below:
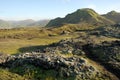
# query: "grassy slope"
[[12, 40], [11, 46], [81, 15], [10, 43]]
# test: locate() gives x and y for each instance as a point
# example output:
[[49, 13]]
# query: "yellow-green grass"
[[12, 46], [11, 40], [6, 75]]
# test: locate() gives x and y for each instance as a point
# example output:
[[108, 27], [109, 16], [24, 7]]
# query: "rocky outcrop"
[[68, 59], [66, 66], [108, 31]]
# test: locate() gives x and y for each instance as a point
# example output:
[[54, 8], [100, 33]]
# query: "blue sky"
[[48, 9]]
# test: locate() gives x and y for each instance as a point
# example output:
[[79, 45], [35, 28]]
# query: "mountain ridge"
[[22, 23], [85, 15], [113, 15]]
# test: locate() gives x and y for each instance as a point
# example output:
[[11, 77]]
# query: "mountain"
[[39, 23], [30, 22], [81, 15], [5, 24], [23, 23], [113, 15]]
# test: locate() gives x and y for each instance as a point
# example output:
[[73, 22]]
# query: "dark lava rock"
[[66, 58], [66, 66], [107, 53]]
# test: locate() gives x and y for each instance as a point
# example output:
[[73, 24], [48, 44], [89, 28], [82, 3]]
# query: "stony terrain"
[[108, 31], [68, 58]]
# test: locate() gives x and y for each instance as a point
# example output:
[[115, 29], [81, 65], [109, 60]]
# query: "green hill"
[[113, 15], [85, 15]]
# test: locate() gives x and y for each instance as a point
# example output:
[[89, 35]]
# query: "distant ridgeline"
[[24, 23], [86, 15]]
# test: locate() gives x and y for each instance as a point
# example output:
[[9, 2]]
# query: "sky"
[[49, 9]]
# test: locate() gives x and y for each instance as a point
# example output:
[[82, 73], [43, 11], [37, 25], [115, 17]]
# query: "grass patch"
[[6, 75], [12, 46]]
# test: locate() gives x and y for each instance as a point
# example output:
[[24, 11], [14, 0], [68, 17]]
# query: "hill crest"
[[113, 15], [86, 15]]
